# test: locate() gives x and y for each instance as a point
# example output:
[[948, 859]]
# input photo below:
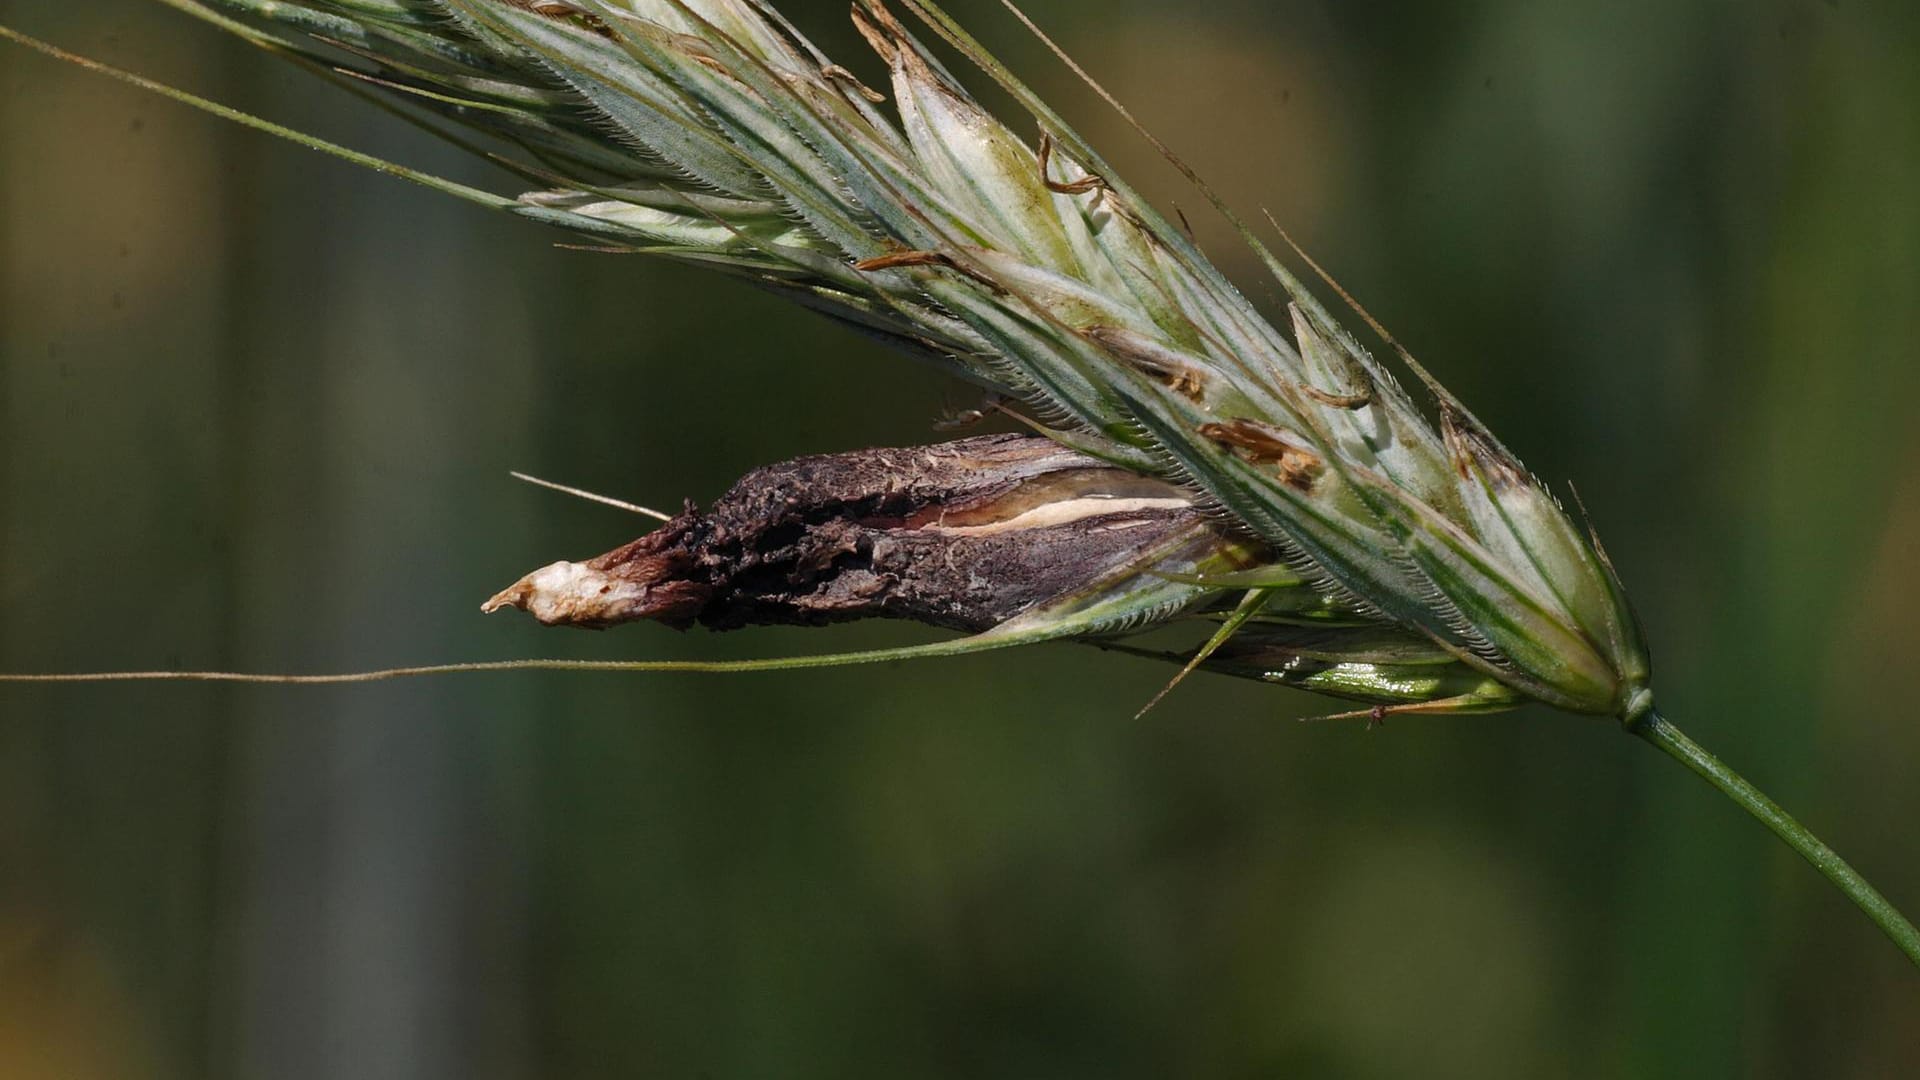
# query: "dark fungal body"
[[964, 535]]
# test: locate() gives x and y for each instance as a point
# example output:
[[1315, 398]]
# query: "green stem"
[[1655, 729]]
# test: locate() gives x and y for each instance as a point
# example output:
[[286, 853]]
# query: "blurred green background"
[[258, 411]]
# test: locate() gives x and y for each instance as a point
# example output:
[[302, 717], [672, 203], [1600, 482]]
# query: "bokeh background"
[[258, 411]]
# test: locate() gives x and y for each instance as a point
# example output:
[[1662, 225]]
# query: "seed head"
[[712, 132]]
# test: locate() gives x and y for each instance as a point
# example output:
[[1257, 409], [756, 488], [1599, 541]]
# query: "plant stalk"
[[1657, 730]]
